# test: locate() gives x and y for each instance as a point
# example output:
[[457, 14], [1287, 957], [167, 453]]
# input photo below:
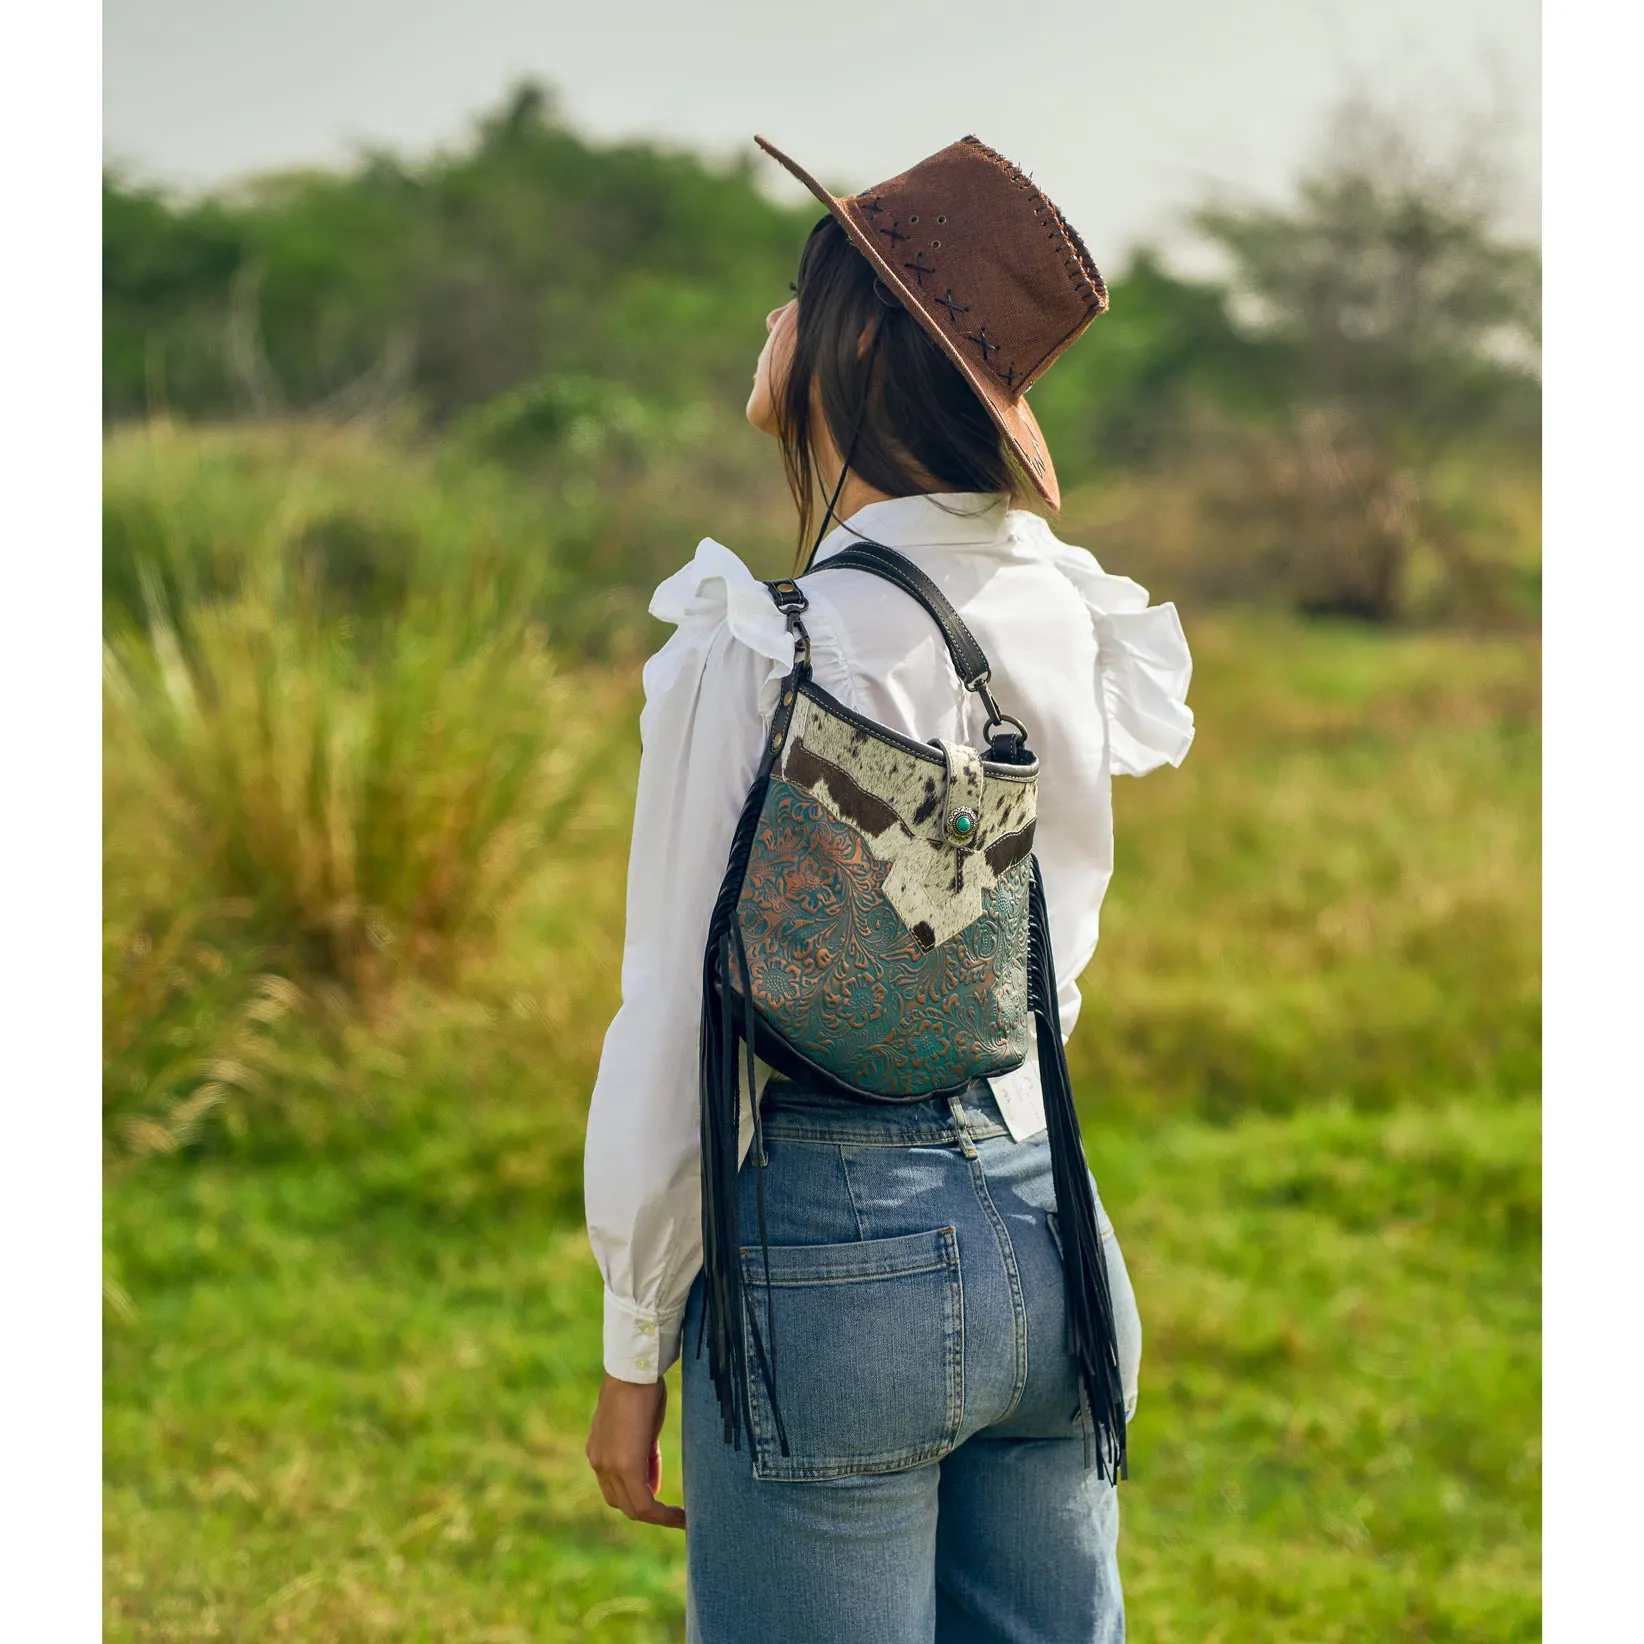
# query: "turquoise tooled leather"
[[843, 979]]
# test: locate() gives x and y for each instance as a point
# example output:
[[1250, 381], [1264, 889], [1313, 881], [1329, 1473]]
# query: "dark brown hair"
[[899, 406]]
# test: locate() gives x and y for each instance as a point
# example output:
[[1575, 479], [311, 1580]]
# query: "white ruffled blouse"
[[1097, 675]]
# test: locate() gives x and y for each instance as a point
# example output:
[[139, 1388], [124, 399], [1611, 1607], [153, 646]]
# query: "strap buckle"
[[789, 597]]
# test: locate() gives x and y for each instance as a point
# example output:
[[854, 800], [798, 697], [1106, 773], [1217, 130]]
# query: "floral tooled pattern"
[[842, 978]]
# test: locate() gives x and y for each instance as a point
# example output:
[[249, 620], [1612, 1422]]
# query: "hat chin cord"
[[850, 450]]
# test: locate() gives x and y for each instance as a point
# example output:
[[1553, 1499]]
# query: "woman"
[[935, 1480]]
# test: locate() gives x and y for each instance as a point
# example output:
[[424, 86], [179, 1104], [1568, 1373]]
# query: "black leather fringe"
[[730, 1322], [723, 1316], [1091, 1334]]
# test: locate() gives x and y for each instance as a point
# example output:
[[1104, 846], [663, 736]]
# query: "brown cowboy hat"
[[991, 269]]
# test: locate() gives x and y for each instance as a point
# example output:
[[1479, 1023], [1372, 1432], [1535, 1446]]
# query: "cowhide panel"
[[899, 802]]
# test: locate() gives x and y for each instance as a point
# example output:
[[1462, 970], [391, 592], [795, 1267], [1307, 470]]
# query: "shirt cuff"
[[640, 1342]]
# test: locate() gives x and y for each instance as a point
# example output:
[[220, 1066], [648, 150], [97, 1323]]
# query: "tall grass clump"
[[319, 791], [375, 800], [189, 1022]]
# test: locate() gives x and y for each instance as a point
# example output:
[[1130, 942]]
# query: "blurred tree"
[[525, 253], [542, 298], [1401, 322], [1392, 284], [168, 269], [1125, 395]]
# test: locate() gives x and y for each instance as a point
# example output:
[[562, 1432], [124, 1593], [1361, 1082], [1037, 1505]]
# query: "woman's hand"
[[625, 1453]]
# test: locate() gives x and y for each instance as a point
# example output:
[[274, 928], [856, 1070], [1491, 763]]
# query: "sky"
[[1126, 116]]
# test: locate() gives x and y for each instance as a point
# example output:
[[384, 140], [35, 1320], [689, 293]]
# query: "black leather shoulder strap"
[[968, 657]]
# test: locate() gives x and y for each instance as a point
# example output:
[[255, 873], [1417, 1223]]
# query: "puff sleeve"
[[1144, 663], [708, 691]]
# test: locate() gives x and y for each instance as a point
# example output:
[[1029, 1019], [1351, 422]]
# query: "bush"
[[373, 818], [575, 526], [1309, 516], [366, 520]]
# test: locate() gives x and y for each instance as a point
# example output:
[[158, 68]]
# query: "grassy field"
[[352, 1325]]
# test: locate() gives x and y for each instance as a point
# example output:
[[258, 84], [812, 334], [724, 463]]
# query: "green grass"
[[351, 1402], [352, 1332], [1338, 1434], [1338, 894]]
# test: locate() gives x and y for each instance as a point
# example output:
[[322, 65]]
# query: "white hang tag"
[[1019, 1094], [744, 1116]]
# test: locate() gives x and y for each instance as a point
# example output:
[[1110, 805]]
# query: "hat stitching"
[[1084, 275], [980, 338], [919, 268]]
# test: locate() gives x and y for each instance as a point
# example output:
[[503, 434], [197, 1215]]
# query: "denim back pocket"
[[870, 1354]]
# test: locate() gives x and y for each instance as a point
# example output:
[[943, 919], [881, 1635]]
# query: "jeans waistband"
[[799, 1113]]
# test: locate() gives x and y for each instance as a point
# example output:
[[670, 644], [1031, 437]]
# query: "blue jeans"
[[935, 1485]]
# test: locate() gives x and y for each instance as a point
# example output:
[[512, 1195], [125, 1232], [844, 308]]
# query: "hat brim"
[[1010, 413]]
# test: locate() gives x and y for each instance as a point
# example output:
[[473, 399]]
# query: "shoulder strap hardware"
[[788, 595], [790, 600], [969, 659]]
